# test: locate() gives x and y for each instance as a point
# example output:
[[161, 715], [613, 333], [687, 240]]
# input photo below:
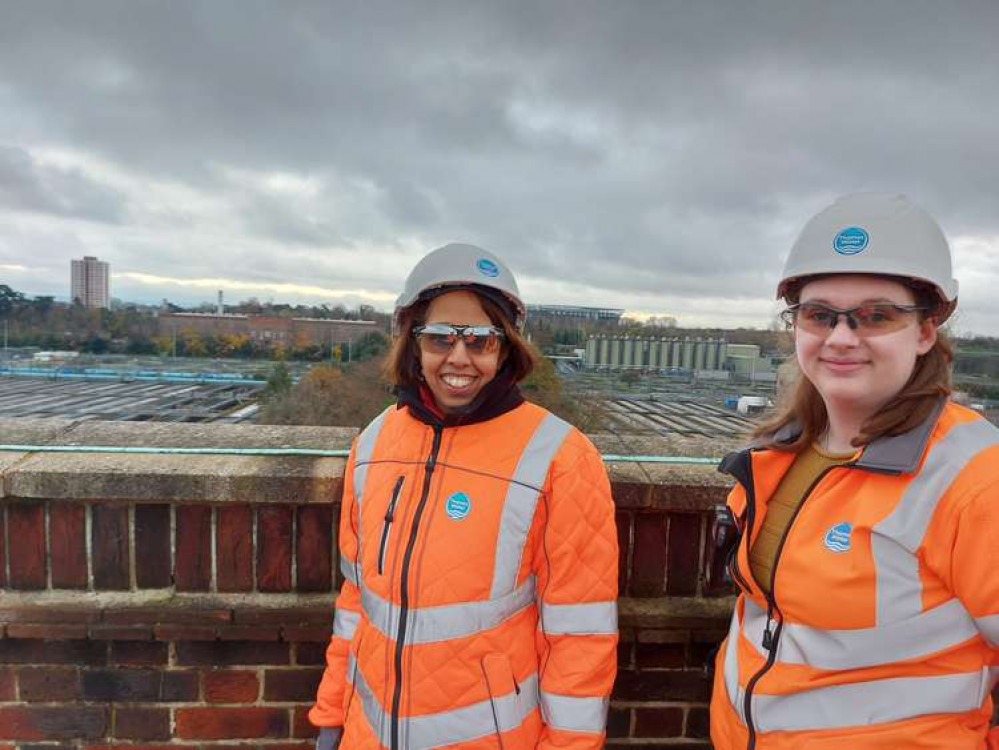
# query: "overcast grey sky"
[[655, 156]]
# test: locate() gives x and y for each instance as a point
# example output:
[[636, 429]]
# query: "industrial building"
[[269, 329], [561, 316], [711, 358], [89, 283]]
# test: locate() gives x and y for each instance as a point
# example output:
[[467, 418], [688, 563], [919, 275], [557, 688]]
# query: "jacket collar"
[[497, 397], [891, 454]]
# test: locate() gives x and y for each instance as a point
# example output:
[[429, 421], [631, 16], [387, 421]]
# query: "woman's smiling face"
[[851, 371], [456, 377]]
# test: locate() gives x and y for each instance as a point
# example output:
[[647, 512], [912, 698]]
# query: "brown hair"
[[402, 365], [910, 407]]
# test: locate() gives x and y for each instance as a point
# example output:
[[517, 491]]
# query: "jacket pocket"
[[387, 525], [504, 697]]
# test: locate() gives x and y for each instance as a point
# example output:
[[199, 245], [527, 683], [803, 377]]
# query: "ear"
[[927, 335]]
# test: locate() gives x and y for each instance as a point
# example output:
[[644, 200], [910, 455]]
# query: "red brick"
[[658, 722], [17, 651], [291, 685], [27, 545], [121, 632], [274, 524], [687, 685], [49, 614], [310, 653], [300, 724], [231, 653], [234, 548], [49, 684], [3, 550], [67, 540], [618, 722], [660, 655], [230, 723], [179, 615], [624, 543], [141, 723], [624, 654], [697, 722], [683, 553], [648, 562], [152, 546], [184, 633], [249, 633], [193, 560], [314, 634], [49, 724], [285, 617], [46, 631], [139, 653], [109, 529], [314, 554], [7, 687], [231, 686]]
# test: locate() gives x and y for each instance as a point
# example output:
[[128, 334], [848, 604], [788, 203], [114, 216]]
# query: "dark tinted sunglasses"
[[440, 338]]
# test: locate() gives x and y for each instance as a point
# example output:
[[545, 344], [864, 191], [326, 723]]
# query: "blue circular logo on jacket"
[[458, 505], [838, 537], [851, 241], [487, 268]]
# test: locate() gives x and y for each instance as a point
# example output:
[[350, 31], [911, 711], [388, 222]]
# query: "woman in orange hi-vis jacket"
[[868, 562], [477, 542]]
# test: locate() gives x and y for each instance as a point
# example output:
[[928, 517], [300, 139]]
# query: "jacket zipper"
[[400, 640], [389, 515], [771, 638]]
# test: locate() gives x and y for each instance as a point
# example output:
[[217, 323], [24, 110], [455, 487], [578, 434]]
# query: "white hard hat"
[[877, 233], [463, 266]]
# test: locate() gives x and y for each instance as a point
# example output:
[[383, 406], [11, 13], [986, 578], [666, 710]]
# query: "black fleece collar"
[[497, 397]]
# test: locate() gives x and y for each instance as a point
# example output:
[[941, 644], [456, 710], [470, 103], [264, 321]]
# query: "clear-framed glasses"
[[874, 319], [440, 338]]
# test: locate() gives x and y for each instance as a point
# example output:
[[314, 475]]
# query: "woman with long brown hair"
[[868, 564], [477, 542]]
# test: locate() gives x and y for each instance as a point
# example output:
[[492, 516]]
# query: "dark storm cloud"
[[670, 148]]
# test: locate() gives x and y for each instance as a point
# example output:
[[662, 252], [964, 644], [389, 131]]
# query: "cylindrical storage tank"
[[628, 352], [592, 352], [614, 360], [604, 348], [700, 349], [722, 353], [711, 355], [675, 353], [688, 354]]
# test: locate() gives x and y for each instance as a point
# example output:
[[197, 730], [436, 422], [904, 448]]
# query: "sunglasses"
[[440, 338], [875, 319]]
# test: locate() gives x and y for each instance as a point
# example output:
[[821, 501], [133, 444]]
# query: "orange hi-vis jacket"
[[882, 630], [479, 608]]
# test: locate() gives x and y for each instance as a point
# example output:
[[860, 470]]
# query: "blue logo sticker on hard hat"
[[838, 537], [487, 268], [851, 241], [458, 505]]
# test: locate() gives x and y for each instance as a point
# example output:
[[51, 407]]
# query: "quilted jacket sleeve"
[[328, 710], [577, 577]]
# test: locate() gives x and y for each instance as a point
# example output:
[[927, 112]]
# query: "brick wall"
[[165, 601]]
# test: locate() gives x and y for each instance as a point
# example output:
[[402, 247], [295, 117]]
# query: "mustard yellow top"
[[790, 493]]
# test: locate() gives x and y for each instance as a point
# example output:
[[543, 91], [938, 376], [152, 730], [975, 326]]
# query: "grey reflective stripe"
[[873, 702], [579, 619], [522, 499], [363, 451], [894, 540], [934, 630], [463, 724], [735, 693], [345, 623], [574, 714], [329, 738], [350, 569], [442, 623], [989, 628]]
